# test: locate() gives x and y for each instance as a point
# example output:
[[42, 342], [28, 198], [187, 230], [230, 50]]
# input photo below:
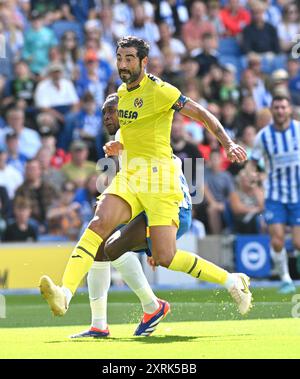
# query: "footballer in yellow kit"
[[148, 184]]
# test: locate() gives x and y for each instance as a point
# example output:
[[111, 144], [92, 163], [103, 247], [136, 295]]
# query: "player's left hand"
[[112, 148], [151, 262], [236, 153]]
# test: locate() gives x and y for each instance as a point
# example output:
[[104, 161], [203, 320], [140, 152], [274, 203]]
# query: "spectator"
[[91, 79], [247, 204], [38, 41], [247, 114], [208, 55], [44, 6], [289, 27], [81, 10], [218, 188], [264, 118], [5, 206], [213, 13], [88, 126], [247, 139], [29, 140], [79, 169], [7, 63], [20, 229], [273, 11], [69, 51], [40, 192], [235, 18], [211, 84], [229, 118], [10, 177], [182, 148], [189, 72], [63, 215], [21, 88], [194, 29], [12, 26], [144, 28], [280, 81], [229, 90], [86, 197], [56, 95], [260, 36], [210, 144], [14, 157], [112, 30], [123, 13], [168, 41], [59, 156], [253, 86], [103, 49], [49, 173], [294, 80], [47, 121], [255, 64], [172, 13]]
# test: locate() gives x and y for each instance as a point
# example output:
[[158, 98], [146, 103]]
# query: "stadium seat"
[[60, 27], [229, 46]]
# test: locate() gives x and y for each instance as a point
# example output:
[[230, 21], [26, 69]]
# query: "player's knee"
[[101, 226], [164, 257], [111, 249]]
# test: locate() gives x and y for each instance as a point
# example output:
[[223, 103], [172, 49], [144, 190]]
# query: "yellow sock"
[[198, 267], [81, 259]]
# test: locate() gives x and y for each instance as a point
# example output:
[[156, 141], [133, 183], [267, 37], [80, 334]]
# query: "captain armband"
[[182, 100]]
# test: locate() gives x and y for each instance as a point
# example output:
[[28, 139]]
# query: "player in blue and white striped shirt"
[[279, 145]]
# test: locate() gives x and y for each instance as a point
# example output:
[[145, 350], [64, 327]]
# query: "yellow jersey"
[[145, 115]]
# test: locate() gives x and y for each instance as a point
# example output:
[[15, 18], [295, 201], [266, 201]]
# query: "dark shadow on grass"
[[150, 339]]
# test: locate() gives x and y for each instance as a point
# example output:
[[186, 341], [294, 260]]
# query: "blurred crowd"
[[57, 65]]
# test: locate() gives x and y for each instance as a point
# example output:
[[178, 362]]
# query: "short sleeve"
[[258, 150], [166, 96]]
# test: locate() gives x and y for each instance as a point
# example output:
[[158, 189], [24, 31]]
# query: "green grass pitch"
[[203, 324]]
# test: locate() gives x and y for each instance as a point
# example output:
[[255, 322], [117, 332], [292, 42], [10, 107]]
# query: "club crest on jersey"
[[138, 102]]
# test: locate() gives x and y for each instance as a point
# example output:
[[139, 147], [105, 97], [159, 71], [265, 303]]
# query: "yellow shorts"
[[160, 208]]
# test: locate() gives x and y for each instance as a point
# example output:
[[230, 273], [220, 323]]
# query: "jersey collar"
[[141, 84]]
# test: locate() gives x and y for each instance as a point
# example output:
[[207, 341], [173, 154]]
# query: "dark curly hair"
[[142, 47]]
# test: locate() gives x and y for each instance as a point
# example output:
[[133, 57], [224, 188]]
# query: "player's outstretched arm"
[[195, 111]]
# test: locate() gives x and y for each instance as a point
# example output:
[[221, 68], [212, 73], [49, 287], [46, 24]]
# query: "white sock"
[[98, 280], [280, 260], [231, 279], [132, 273], [68, 294]]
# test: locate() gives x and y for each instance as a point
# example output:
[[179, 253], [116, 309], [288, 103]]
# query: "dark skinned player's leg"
[[119, 246], [130, 237]]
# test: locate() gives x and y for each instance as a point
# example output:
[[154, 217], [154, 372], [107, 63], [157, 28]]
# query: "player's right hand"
[[112, 148], [236, 153]]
